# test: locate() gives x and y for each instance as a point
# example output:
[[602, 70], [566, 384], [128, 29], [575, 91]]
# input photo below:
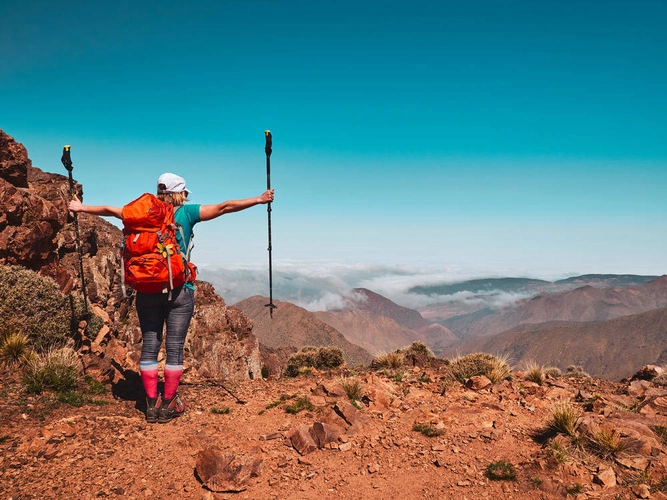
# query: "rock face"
[[28, 222], [36, 232], [221, 343]]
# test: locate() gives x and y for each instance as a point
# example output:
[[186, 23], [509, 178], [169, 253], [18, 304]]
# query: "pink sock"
[[149, 377], [172, 377]]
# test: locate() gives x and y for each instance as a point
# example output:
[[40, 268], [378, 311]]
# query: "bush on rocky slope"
[[33, 305]]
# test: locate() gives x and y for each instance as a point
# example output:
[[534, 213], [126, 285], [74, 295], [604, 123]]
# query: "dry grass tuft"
[[564, 418], [534, 373], [14, 349], [606, 442], [495, 368], [576, 371], [57, 370], [352, 387], [390, 361]]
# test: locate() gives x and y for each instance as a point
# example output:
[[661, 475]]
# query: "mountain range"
[[608, 324]]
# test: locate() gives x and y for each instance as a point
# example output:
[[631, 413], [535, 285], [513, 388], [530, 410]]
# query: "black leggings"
[[154, 309]]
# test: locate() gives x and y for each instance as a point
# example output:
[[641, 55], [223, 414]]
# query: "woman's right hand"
[[75, 205]]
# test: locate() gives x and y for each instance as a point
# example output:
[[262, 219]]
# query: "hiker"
[[176, 307]]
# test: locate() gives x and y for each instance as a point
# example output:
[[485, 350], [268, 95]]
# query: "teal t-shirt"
[[186, 216]]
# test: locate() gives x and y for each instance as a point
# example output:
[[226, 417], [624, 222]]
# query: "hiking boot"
[[152, 409], [171, 409]]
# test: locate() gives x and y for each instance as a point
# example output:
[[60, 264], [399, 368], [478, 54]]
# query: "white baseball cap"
[[171, 183]]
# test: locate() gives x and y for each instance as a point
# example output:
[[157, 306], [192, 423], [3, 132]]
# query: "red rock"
[[323, 433], [478, 382], [224, 472], [606, 477], [301, 439]]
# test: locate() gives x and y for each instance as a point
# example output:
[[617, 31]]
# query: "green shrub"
[[552, 371], [95, 324], [265, 371], [328, 358], [501, 471], [297, 362], [495, 368], [302, 403], [576, 371], [324, 358], [55, 370], [661, 380], [72, 398], [427, 430], [283, 398], [418, 348], [558, 451], [221, 411], [574, 489], [34, 305], [94, 387]]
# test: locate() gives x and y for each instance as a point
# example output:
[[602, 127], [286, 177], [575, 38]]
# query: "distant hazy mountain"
[[487, 295], [581, 304], [380, 325], [294, 326], [606, 280], [611, 349], [527, 285], [486, 285]]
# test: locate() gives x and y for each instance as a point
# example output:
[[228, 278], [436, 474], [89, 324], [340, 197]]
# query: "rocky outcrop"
[[220, 344], [14, 162], [37, 232], [28, 221]]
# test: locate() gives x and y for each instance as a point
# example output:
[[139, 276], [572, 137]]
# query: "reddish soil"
[[109, 451]]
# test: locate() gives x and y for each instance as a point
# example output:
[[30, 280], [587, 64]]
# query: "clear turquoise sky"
[[518, 134]]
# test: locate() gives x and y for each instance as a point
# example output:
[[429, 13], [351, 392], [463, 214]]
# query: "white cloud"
[[327, 285]]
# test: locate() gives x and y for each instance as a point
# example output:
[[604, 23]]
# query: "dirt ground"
[[105, 449]]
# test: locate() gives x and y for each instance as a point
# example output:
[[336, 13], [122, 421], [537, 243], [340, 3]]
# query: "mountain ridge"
[[293, 326], [606, 349]]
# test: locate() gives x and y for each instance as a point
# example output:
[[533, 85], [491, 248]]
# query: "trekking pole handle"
[[66, 159], [269, 142]]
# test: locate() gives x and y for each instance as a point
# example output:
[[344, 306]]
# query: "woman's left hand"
[[266, 197]]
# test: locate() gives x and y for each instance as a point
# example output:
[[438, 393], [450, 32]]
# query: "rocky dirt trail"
[[220, 449]]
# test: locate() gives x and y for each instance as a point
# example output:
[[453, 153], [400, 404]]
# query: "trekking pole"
[[220, 384], [267, 149], [67, 162]]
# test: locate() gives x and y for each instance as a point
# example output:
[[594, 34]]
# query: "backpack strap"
[[189, 245]]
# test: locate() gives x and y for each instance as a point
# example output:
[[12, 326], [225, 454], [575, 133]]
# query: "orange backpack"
[[151, 257]]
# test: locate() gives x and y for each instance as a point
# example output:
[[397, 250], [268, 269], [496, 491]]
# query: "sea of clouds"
[[328, 285]]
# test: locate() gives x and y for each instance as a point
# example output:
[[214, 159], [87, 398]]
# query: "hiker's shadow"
[[130, 388]]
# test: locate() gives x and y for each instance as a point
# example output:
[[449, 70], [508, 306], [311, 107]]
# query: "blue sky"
[[514, 137]]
